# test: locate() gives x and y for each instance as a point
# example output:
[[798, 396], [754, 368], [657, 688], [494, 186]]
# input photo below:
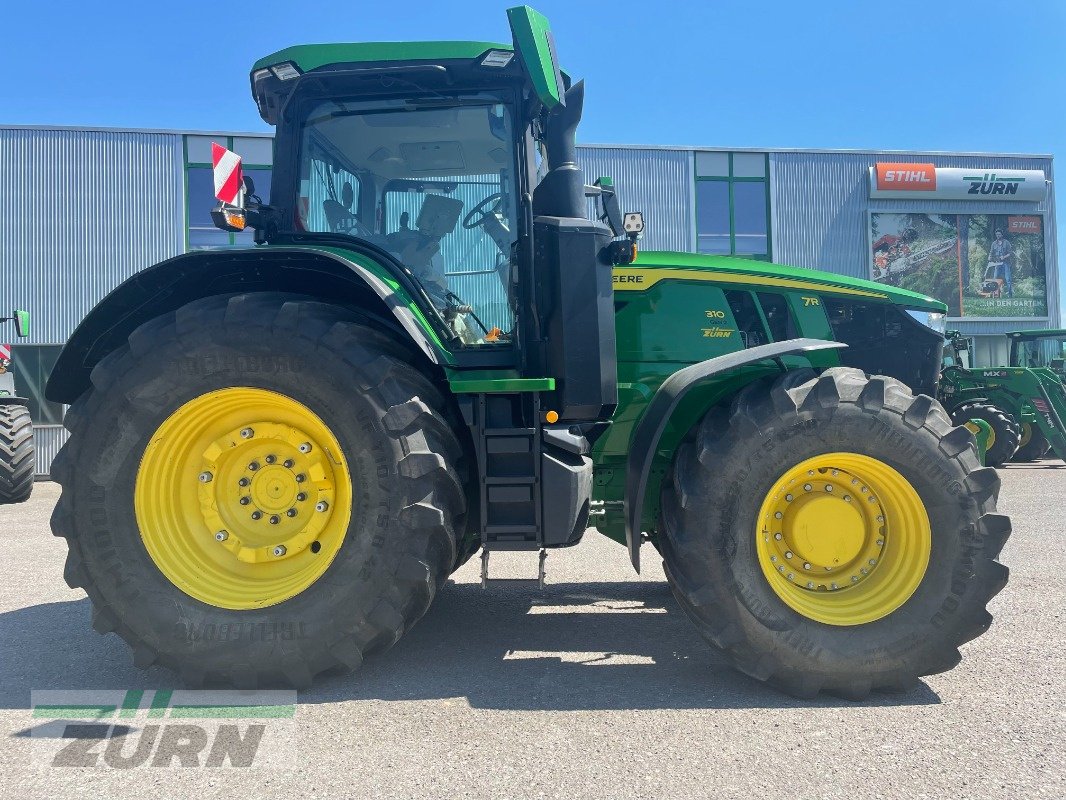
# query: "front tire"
[[17, 462], [1034, 445], [867, 584], [1006, 432], [257, 489]]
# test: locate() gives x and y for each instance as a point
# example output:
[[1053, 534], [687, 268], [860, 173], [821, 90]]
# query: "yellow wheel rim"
[[243, 498], [976, 431], [843, 538], [1027, 434]]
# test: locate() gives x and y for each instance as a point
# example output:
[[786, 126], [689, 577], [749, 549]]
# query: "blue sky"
[[948, 75]]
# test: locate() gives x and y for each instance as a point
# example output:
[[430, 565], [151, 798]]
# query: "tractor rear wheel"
[[1006, 432], [833, 533], [1034, 445], [257, 489], [17, 461]]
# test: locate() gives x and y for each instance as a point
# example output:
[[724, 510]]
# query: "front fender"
[[332, 274], [649, 430]]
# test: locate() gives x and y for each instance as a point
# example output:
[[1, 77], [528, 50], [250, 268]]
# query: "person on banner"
[[1000, 256]]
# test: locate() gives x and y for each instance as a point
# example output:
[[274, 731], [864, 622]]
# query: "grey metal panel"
[[654, 180], [820, 203], [81, 212], [47, 439]]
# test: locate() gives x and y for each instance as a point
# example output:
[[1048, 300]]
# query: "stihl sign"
[[901, 180]]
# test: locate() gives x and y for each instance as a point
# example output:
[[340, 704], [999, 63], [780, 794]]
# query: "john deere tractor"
[[17, 463], [1025, 407], [278, 454]]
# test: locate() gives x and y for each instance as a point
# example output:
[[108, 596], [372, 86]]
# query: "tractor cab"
[[1039, 348], [435, 158]]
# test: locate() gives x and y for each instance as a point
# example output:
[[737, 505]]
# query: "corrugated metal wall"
[[47, 439], [820, 202], [656, 181], [82, 211]]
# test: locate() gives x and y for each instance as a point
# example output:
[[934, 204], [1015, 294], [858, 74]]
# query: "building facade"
[[84, 209]]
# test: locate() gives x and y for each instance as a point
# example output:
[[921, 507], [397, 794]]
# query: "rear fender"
[[649, 430], [328, 274]]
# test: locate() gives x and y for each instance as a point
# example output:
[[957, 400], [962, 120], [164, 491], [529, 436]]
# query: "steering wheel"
[[478, 213]]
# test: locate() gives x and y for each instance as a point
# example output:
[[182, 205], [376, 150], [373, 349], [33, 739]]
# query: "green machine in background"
[[1025, 407], [1039, 348], [435, 348], [17, 462]]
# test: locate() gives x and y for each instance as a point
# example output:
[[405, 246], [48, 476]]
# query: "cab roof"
[[1038, 333], [309, 57]]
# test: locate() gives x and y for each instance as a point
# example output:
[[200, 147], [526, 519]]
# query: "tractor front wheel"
[[1006, 432], [257, 489], [1034, 445], [16, 454], [833, 533]]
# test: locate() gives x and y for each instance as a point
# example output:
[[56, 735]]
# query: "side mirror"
[[249, 186], [22, 323]]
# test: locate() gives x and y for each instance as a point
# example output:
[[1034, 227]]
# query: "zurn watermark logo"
[[163, 728]]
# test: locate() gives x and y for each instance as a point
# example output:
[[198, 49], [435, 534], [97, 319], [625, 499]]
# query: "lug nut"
[[806, 565], [305, 447], [807, 487], [788, 554], [880, 518], [833, 586], [288, 463], [301, 478], [778, 515], [854, 578], [205, 477], [880, 542], [279, 550], [301, 496], [221, 536], [321, 505], [778, 536], [247, 433], [243, 482], [291, 512], [873, 562], [847, 498], [270, 459], [810, 584], [257, 514], [253, 466], [245, 501], [828, 488], [789, 497], [274, 519], [791, 576]]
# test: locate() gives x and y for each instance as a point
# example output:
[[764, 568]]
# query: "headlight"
[[930, 319]]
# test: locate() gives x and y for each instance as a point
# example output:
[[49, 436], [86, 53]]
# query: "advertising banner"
[[980, 265], [928, 181]]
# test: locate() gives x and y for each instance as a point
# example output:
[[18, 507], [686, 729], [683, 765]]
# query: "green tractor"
[[1025, 407], [17, 461], [279, 454]]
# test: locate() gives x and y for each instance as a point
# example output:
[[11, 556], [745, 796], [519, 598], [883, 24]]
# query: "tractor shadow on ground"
[[575, 647]]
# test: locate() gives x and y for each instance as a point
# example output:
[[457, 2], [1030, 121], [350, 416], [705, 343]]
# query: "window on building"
[[31, 365], [257, 161], [733, 204]]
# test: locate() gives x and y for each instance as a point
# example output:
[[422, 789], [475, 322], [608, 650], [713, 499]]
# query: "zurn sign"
[[891, 180]]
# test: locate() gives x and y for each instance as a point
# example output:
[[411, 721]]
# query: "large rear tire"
[[17, 462], [1006, 432], [257, 489], [833, 533]]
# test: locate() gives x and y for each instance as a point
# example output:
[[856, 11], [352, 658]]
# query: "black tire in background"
[[711, 503], [1007, 431], [1035, 448], [17, 461], [390, 422]]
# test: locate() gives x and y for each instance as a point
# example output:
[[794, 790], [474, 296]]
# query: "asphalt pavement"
[[597, 687]]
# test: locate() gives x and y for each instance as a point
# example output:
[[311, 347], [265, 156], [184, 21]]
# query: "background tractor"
[[1024, 407], [17, 461], [1039, 348], [278, 454]]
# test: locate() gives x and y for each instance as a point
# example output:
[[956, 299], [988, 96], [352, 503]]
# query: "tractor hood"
[[763, 272]]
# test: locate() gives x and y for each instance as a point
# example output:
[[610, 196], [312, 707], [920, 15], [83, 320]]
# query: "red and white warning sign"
[[227, 168], [5, 351]]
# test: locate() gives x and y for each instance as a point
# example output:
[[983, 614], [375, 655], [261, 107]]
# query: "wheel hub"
[[843, 526], [243, 498]]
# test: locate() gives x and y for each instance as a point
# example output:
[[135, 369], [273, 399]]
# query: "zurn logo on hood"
[[990, 183]]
